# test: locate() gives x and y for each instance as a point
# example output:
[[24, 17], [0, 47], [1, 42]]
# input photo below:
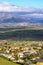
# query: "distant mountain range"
[[14, 16]]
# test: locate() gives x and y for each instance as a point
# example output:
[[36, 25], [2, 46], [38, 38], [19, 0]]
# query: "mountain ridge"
[[12, 16]]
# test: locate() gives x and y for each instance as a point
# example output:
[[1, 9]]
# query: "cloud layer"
[[5, 6], [24, 16]]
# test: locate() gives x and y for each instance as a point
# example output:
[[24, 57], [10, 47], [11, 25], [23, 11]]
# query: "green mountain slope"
[[22, 34]]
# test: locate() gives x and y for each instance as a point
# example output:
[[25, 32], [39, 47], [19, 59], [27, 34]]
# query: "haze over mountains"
[[14, 16]]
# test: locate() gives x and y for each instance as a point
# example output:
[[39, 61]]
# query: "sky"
[[27, 3]]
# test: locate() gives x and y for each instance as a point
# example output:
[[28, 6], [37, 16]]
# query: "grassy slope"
[[6, 62], [23, 34]]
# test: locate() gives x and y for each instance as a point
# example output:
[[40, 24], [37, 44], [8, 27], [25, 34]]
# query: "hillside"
[[21, 19], [23, 34], [4, 61]]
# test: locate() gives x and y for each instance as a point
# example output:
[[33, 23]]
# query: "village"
[[25, 53]]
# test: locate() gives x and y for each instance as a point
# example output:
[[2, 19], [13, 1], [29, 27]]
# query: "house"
[[20, 60], [40, 45], [39, 48], [28, 62], [16, 48], [11, 57], [20, 55], [4, 55], [30, 52], [27, 53], [25, 48], [39, 60], [33, 59], [8, 50]]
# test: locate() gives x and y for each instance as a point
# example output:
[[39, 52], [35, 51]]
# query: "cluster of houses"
[[29, 55]]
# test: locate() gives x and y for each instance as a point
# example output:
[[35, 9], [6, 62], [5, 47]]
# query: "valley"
[[21, 32]]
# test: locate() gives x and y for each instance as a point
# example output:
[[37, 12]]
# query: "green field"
[[4, 61]]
